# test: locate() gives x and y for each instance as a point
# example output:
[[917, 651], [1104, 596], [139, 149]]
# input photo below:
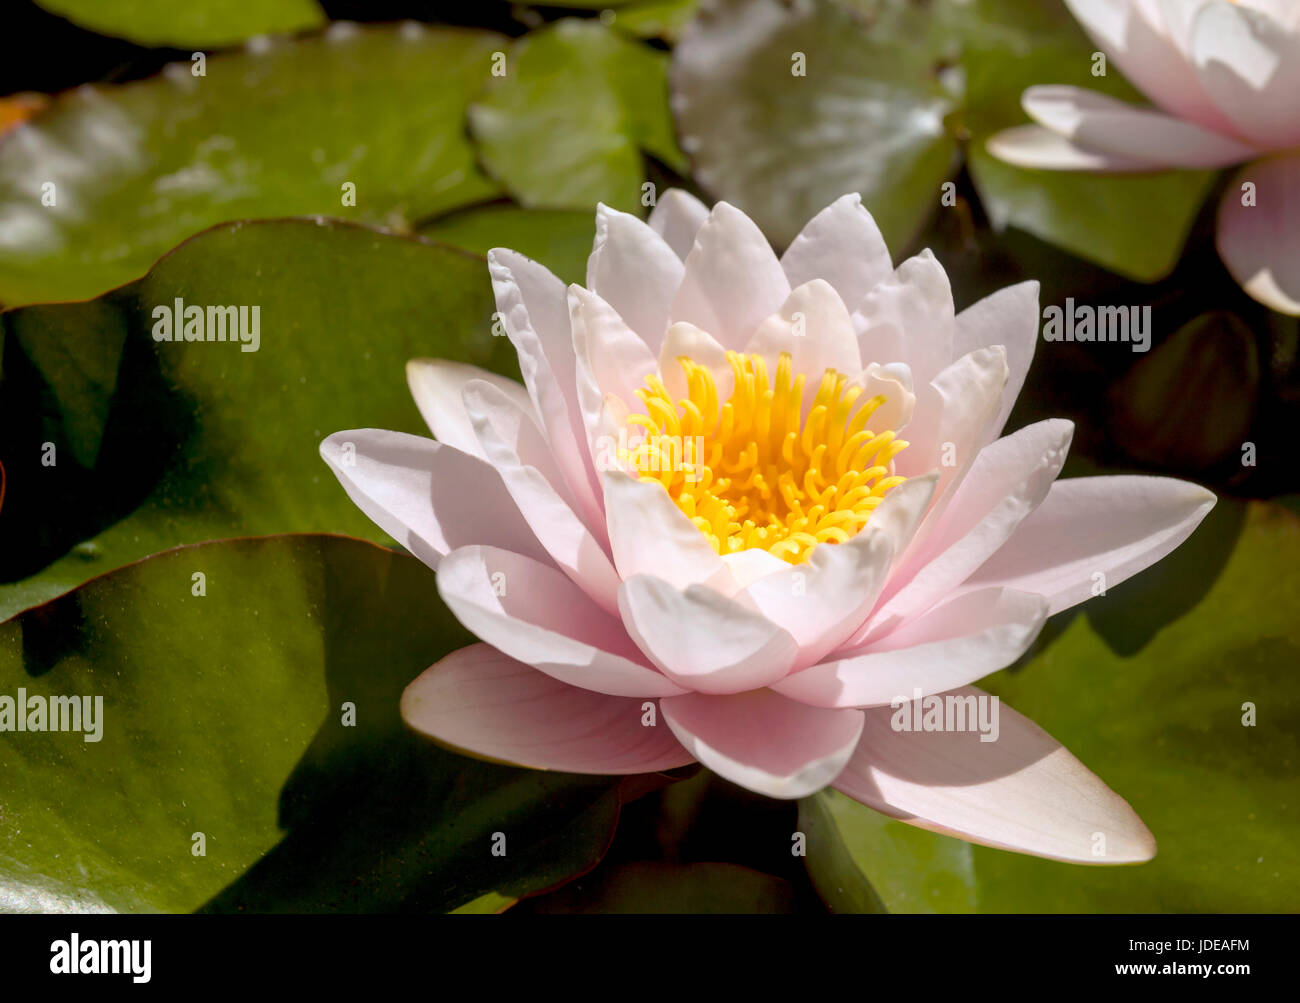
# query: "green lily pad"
[[156, 444], [783, 108], [277, 129], [1132, 224], [560, 239], [566, 122], [1153, 689], [252, 713], [205, 25]]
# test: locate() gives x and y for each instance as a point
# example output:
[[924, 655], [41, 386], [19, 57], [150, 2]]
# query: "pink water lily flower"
[[746, 510], [1225, 77]]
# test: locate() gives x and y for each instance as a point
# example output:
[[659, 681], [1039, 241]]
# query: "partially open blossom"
[[746, 510], [1225, 77]]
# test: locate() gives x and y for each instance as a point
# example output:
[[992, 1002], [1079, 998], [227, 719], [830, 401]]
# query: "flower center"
[[752, 472]]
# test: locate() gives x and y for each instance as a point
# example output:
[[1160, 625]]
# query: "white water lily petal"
[[568, 541], [1249, 64], [534, 613], [732, 280], [843, 246], [1008, 480], [428, 496], [437, 385], [909, 318], [956, 643], [649, 535], [677, 217], [1037, 148], [1022, 792], [479, 701], [1096, 121], [1113, 526], [764, 742], [702, 640], [1260, 243], [611, 359], [634, 270], [814, 327], [1008, 317]]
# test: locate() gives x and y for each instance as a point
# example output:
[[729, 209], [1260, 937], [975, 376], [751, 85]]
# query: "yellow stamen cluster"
[[752, 472]]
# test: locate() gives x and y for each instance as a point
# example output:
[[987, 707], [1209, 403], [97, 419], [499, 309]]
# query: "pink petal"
[[649, 535], [1098, 122], [1115, 526], [1036, 148], [634, 270], [814, 326], [429, 497], [677, 217], [732, 280], [535, 312], [1249, 64], [1022, 792], [764, 742], [701, 639], [612, 358], [909, 318], [1008, 480], [1260, 243], [842, 245], [437, 385], [534, 613], [568, 541], [1008, 317], [1134, 36], [957, 642], [480, 701]]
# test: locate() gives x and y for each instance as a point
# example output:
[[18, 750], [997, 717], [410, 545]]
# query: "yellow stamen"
[[751, 471]]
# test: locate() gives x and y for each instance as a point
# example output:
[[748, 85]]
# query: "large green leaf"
[[1149, 689], [226, 713], [1133, 224], [867, 115], [200, 24], [565, 123], [162, 443], [273, 130]]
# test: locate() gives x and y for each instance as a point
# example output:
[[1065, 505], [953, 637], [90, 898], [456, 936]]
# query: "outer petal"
[[634, 270], [568, 541], [909, 318], [1022, 792], [437, 385], [842, 245], [1099, 122], [1113, 525], [1249, 64], [764, 742], [1008, 317], [480, 701], [1260, 243], [535, 312], [1133, 34], [534, 613], [732, 280], [677, 217], [1037, 148], [428, 496], [957, 642], [701, 639]]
